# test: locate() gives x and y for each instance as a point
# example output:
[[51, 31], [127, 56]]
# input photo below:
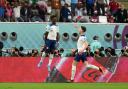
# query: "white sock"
[[73, 72], [92, 67], [43, 56], [50, 59]]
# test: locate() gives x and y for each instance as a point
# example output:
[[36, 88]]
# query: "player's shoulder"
[[48, 26], [51, 25], [83, 37]]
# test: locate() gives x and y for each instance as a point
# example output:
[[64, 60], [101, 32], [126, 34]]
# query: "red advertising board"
[[24, 69]]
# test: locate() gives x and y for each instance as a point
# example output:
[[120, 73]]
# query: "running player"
[[51, 38], [82, 44]]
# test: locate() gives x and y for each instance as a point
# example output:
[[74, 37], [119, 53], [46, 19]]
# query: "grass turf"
[[63, 86]]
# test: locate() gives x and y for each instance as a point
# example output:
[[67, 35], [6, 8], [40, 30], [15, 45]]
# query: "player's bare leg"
[[73, 71], [50, 62], [93, 67], [41, 60]]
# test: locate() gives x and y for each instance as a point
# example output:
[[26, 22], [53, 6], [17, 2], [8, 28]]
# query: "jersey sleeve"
[[47, 28], [84, 38]]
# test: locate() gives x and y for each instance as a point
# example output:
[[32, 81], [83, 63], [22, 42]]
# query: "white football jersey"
[[53, 30], [80, 42]]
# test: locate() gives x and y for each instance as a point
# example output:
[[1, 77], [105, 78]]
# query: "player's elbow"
[[85, 45]]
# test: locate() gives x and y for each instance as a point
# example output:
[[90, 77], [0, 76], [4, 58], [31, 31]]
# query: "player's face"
[[54, 20], [80, 31]]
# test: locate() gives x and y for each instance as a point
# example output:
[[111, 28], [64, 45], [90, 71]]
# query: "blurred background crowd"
[[94, 11]]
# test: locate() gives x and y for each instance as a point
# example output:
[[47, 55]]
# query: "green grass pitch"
[[63, 85]]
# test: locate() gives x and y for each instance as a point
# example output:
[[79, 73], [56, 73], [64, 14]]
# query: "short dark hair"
[[83, 28], [21, 48], [95, 37], [52, 16]]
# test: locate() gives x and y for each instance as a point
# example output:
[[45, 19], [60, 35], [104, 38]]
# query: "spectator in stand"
[[90, 6], [65, 13], [49, 10], [107, 11], [73, 6], [42, 9], [35, 13], [80, 12], [110, 52], [56, 5], [2, 12], [16, 12], [110, 18], [121, 15], [95, 44], [94, 18], [100, 4], [33, 1], [25, 12], [42, 13], [78, 9], [13, 9], [3, 2], [9, 13], [14, 52], [34, 53], [11, 2], [125, 51], [114, 5]]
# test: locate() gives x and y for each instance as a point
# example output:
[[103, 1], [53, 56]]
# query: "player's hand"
[[76, 25]]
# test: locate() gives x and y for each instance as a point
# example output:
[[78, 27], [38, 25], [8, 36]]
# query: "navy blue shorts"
[[50, 46], [81, 57]]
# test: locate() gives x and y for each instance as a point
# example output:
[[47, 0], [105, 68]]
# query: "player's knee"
[[86, 63], [43, 54], [74, 63], [51, 56], [73, 67]]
